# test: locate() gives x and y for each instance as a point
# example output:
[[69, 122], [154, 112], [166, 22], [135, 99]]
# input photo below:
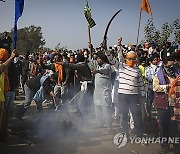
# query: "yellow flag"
[[87, 12], [146, 7]]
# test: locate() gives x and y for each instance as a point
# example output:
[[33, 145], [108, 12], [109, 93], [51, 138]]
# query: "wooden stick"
[[139, 27], [89, 40], [74, 97]]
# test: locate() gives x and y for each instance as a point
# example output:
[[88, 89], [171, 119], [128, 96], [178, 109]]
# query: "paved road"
[[55, 133]]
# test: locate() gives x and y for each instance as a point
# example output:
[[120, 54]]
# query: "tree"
[[29, 39], [156, 36], [149, 30], [162, 36], [166, 31], [176, 27]]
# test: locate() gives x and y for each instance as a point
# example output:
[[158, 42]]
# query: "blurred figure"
[[6, 42], [167, 50], [149, 75]]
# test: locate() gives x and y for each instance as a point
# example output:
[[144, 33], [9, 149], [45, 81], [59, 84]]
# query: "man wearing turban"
[[4, 87], [131, 88], [102, 91]]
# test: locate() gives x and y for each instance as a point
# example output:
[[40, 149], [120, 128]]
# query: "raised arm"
[[5, 65], [120, 53], [114, 61]]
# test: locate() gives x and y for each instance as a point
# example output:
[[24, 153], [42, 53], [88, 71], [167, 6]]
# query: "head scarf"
[[4, 57], [131, 54], [3, 54], [102, 56], [80, 58]]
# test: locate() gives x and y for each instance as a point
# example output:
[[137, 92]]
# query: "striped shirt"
[[130, 78]]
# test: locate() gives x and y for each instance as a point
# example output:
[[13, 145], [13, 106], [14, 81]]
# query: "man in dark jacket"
[[14, 71], [31, 87], [85, 81], [63, 75]]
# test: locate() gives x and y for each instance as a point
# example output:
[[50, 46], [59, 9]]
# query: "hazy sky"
[[63, 20]]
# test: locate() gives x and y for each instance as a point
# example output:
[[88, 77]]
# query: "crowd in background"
[[119, 81]]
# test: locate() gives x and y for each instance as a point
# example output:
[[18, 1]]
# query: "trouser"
[[24, 79], [164, 121], [85, 103], [57, 92], [3, 120], [10, 97], [115, 99], [173, 123], [150, 98], [174, 130], [132, 102], [29, 93], [116, 111], [103, 111]]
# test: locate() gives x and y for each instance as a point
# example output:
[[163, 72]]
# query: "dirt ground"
[[55, 133]]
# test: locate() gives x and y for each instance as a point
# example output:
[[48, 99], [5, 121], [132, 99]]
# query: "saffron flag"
[[146, 6], [87, 12], [19, 6]]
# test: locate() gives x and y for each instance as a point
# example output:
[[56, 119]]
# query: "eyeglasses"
[[133, 59]]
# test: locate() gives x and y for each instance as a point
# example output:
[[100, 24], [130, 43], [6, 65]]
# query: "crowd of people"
[[113, 82]]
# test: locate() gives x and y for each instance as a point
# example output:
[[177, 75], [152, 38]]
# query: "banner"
[[19, 6], [87, 12], [146, 6]]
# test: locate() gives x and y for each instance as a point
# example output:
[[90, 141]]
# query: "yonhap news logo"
[[120, 140]]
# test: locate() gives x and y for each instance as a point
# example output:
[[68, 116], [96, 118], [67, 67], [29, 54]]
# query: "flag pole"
[[89, 39], [139, 24]]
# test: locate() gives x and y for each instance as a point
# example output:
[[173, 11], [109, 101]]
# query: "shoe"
[[45, 101], [18, 119], [56, 108]]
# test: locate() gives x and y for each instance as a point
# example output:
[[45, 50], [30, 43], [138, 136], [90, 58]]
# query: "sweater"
[[130, 78]]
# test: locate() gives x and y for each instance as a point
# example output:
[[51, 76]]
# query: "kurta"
[[102, 91]]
